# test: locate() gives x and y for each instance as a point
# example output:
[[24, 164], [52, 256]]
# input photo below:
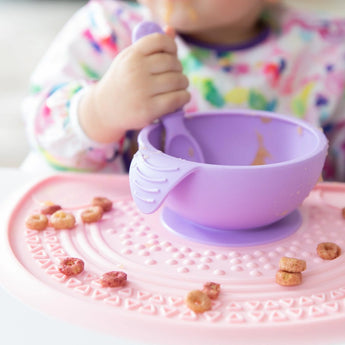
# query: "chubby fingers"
[[163, 62], [159, 52], [156, 43], [166, 85], [167, 103], [168, 82]]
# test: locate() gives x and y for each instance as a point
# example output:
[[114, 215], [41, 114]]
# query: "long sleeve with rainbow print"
[[77, 58], [295, 66]]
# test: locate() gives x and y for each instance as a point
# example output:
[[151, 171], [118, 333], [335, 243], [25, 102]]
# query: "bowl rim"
[[321, 143]]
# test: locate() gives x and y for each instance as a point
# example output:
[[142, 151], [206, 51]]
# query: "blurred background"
[[26, 30]]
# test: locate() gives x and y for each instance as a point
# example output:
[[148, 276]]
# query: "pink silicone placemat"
[[163, 267]]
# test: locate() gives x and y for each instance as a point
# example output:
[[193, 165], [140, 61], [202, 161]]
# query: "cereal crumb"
[[292, 265], [37, 222], [92, 214], [113, 279], [71, 266], [50, 209], [288, 278], [211, 289], [328, 250], [62, 220], [198, 301], [103, 202]]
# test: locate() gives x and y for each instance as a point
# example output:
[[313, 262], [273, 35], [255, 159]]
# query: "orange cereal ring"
[[37, 222], [113, 279], [105, 203], [50, 209], [211, 289], [71, 266], [292, 265], [92, 214], [328, 250], [198, 301], [62, 220], [288, 278]]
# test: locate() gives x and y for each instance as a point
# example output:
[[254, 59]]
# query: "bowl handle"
[[153, 174]]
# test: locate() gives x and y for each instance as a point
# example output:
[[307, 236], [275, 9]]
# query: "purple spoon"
[[178, 140]]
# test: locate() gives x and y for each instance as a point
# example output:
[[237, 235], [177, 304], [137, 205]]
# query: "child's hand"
[[144, 82]]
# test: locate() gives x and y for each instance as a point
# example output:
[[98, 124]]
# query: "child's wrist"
[[91, 121], [83, 138]]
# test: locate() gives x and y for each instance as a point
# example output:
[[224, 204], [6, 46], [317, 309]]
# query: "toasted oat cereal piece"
[[211, 289], [105, 203], [343, 212], [92, 214], [37, 222], [292, 265], [62, 220], [288, 278], [71, 266], [328, 250], [198, 301], [113, 279], [50, 209]]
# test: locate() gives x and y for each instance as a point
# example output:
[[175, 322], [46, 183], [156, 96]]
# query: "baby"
[[95, 89]]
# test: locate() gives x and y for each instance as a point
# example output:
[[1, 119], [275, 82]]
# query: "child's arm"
[[86, 95]]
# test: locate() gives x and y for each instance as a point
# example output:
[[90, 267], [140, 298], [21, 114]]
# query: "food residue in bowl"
[[262, 153], [265, 119], [299, 130]]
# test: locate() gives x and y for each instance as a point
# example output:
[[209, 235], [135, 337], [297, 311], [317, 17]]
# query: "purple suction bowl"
[[228, 191]]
